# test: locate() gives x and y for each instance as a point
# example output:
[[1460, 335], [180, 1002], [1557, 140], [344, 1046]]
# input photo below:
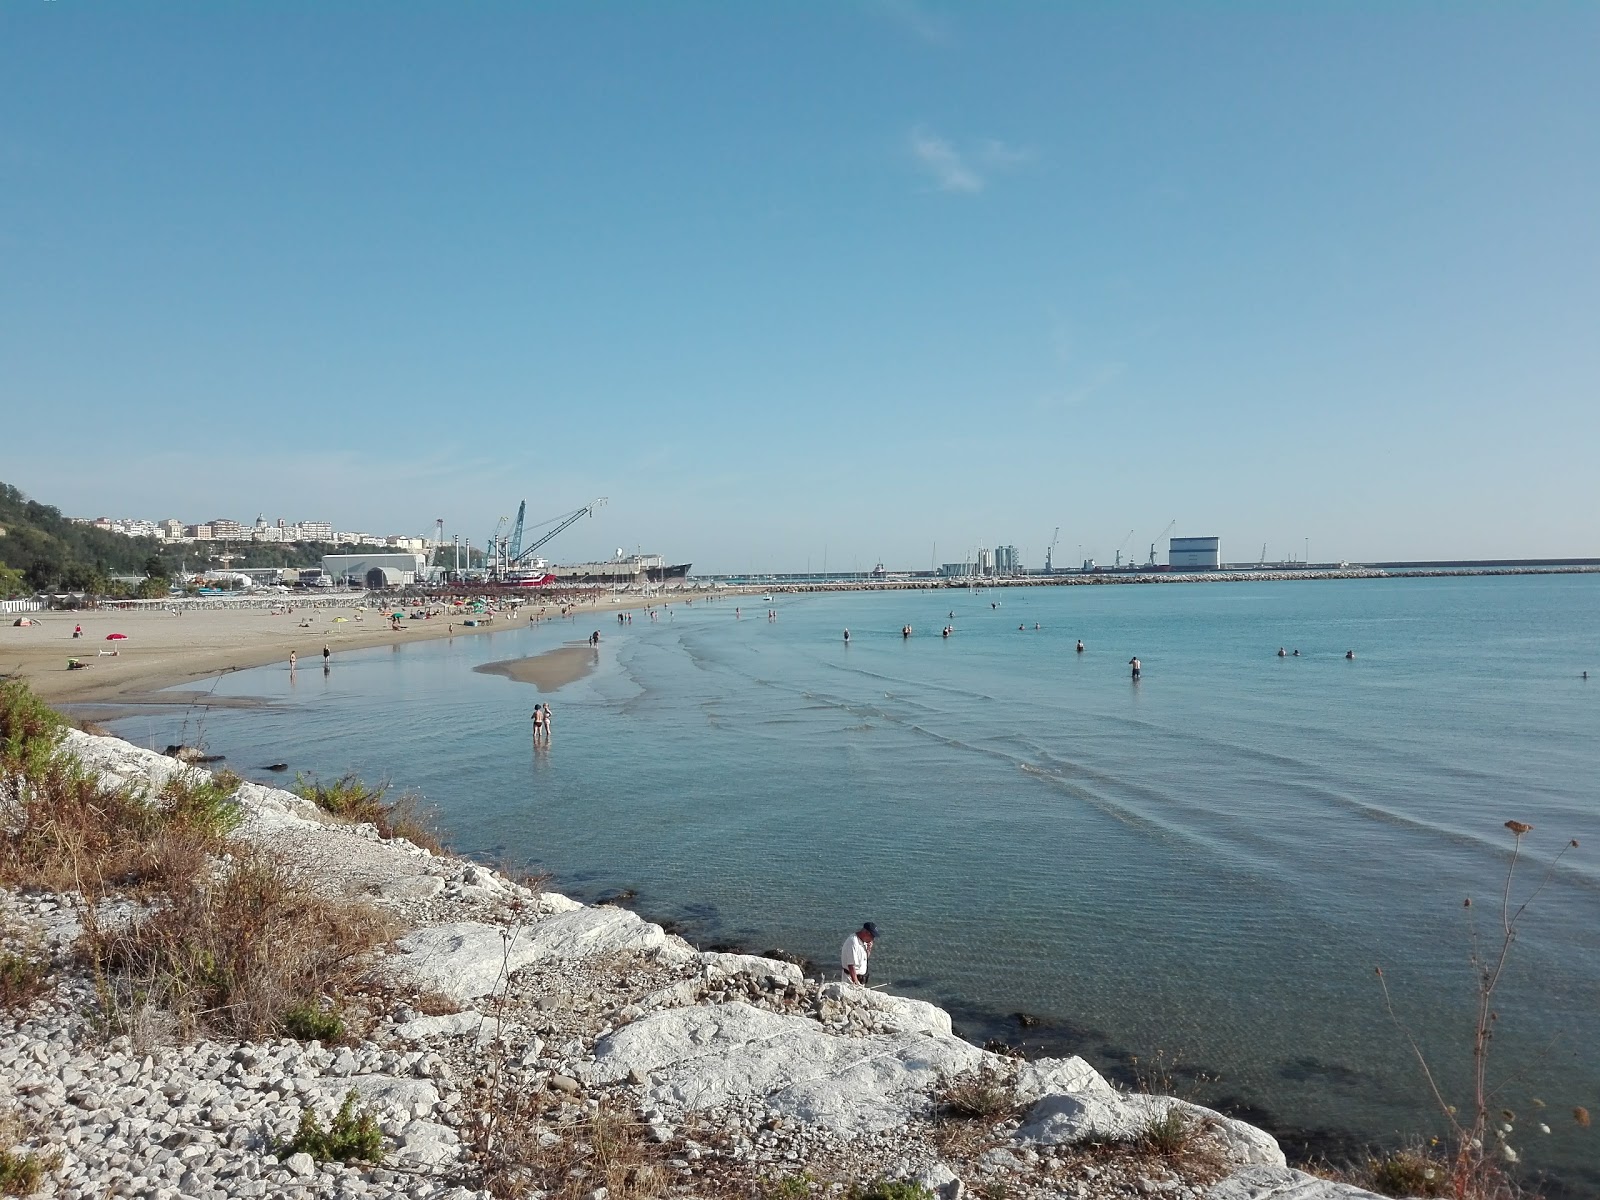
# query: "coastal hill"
[[236, 992]]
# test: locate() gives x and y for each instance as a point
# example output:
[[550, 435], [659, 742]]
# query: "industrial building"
[[1007, 561], [1194, 554], [377, 570]]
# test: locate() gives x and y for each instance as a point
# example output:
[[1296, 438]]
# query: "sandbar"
[[550, 671]]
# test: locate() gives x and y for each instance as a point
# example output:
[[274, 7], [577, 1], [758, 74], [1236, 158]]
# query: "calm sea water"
[[1207, 864]]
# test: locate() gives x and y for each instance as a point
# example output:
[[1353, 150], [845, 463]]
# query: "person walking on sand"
[[855, 952], [1134, 663]]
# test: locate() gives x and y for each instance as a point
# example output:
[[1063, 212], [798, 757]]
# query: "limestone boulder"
[[701, 1057], [467, 959], [1282, 1183], [900, 1013]]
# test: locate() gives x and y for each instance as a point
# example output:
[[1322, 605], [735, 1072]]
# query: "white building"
[[1194, 554]]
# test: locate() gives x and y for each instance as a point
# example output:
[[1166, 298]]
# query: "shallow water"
[[1208, 863]]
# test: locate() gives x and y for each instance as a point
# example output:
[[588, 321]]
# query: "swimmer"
[[846, 637], [1296, 654], [1282, 653], [1080, 645], [1349, 653], [1019, 628], [1036, 624], [946, 633]]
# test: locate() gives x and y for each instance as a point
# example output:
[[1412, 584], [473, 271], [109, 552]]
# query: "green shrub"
[[352, 1136], [22, 978], [349, 799], [20, 1174], [29, 730], [884, 1188], [310, 1022], [1406, 1173]]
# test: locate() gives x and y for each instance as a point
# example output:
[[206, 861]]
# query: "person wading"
[[855, 952]]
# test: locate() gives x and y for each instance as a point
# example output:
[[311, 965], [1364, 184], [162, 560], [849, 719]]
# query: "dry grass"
[[237, 953], [981, 1095], [525, 1143], [67, 830], [21, 1173], [349, 799], [23, 979]]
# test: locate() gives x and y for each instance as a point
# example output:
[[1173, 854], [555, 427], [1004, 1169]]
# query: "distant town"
[[221, 529]]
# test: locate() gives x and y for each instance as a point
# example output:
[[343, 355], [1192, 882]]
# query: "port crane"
[[1158, 537], [518, 556], [1123, 547], [515, 550], [1050, 551]]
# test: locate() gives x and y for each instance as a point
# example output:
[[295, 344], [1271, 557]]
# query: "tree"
[[11, 582], [154, 568]]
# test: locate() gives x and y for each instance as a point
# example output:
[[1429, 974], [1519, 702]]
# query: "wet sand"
[[550, 671], [162, 650]]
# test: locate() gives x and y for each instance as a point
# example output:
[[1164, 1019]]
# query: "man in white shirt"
[[856, 950]]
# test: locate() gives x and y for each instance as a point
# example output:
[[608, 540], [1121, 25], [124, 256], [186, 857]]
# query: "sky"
[[804, 285]]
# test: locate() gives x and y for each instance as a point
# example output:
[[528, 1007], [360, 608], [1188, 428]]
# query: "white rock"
[[467, 959], [1282, 1183], [698, 1058], [718, 967], [462, 1024], [900, 1014], [410, 887]]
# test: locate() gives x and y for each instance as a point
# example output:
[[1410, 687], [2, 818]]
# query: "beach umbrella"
[[116, 637], [336, 620]]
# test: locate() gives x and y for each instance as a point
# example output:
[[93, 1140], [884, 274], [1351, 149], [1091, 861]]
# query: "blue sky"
[[785, 280]]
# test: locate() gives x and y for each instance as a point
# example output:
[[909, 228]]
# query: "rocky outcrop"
[[731, 1062]]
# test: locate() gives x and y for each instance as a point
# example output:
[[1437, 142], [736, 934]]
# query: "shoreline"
[[216, 638], [736, 1068]]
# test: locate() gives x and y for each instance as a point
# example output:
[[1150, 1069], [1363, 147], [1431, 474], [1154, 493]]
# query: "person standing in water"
[[538, 721], [326, 653], [292, 657], [1080, 645], [1134, 663], [846, 637]]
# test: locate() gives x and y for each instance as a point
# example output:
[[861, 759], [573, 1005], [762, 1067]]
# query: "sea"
[[1191, 879]]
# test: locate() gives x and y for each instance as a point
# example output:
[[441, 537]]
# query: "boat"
[[623, 569]]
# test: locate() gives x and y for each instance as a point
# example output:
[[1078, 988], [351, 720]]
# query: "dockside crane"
[[515, 551], [563, 522], [1158, 537], [1123, 547], [491, 554], [1050, 551]]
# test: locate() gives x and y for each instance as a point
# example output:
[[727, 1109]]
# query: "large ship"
[[623, 569]]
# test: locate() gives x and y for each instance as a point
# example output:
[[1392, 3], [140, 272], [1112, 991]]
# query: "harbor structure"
[[1194, 554], [376, 570]]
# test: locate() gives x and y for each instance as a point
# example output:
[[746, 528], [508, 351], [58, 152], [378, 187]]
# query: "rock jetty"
[[509, 1041]]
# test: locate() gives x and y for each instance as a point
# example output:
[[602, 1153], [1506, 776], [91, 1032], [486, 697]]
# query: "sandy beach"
[[161, 650]]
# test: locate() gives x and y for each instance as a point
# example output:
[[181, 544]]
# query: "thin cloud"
[[1000, 156], [944, 163], [930, 27], [955, 170]]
